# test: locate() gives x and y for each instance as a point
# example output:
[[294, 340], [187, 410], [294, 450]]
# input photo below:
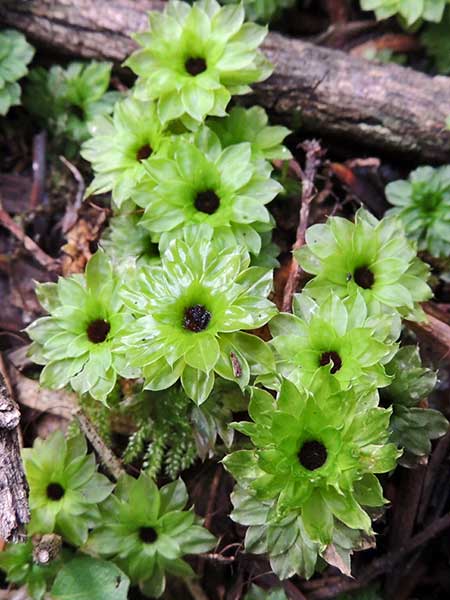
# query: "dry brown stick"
[[438, 456], [292, 591], [14, 511], [42, 258], [314, 153], [212, 496], [324, 91], [107, 457], [384, 563], [71, 214], [39, 169]]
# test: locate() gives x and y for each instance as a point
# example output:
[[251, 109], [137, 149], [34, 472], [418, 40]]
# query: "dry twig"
[[314, 154], [42, 258]]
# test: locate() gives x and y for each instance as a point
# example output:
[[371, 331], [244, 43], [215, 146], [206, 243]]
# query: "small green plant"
[[423, 204], [314, 457], [15, 54], [257, 593], [411, 11], [223, 189], [65, 487], [80, 341], [316, 453], [194, 58], [368, 256], [334, 339], [251, 125], [146, 531], [65, 100], [122, 145], [22, 568], [189, 313], [436, 40], [172, 302], [126, 250], [412, 425], [262, 10]]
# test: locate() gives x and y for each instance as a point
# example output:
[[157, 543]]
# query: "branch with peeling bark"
[[326, 92], [14, 511]]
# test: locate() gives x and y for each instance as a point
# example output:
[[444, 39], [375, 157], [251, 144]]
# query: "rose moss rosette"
[[436, 40], [285, 541], [202, 183], [120, 145], [18, 562], [127, 243], [409, 10], [251, 125], [316, 453], [368, 256], [65, 487], [79, 342], [65, 100], [422, 203], [189, 313], [412, 425], [146, 531], [335, 339], [15, 54], [194, 58]]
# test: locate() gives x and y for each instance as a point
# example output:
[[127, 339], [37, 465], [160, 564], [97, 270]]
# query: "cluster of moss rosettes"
[[172, 299]]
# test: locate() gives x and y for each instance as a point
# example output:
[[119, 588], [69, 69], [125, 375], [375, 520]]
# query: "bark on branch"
[[385, 107], [14, 513]]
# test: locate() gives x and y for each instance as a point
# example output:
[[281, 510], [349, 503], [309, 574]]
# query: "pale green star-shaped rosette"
[[335, 339], [205, 184], [189, 313], [128, 244], [146, 532], [15, 54], [370, 257], [252, 125], [410, 11], [194, 58], [422, 203], [121, 145], [65, 488], [79, 341], [316, 453]]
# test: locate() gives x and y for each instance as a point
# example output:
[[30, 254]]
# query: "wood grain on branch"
[[324, 91]]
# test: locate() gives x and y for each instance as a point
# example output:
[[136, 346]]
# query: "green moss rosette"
[[368, 256], [79, 341], [146, 531], [194, 58], [189, 313], [65, 487], [436, 40], [411, 11], [316, 454], [128, 244], [65, 100], [251, 125], [412, 425], [120, 146], [203, 183], [15, 54], [422, 203], [18, 563], [336, 340]]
